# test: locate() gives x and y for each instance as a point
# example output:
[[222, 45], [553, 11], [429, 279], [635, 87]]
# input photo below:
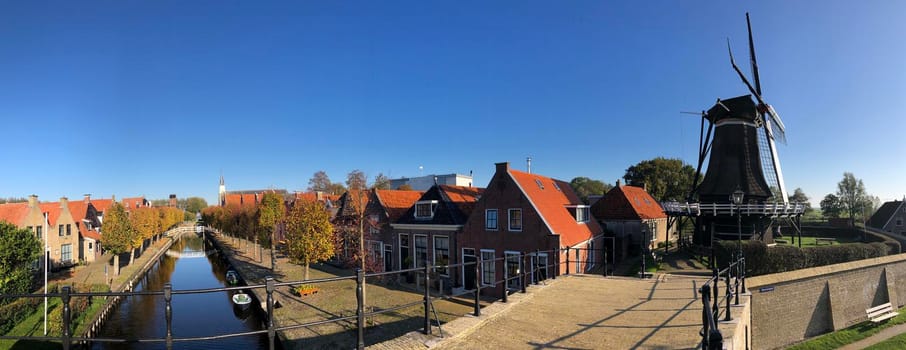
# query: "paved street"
[[592, 312]]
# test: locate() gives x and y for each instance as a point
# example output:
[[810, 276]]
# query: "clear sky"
[[158, 97]]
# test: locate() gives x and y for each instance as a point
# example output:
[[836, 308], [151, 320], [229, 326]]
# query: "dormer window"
[[540, 185], [425, 209], [580, 212], [557, 186]]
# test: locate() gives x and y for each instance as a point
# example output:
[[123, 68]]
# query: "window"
[[68, 229], [541, 271], [490, 219], [515, 216], [442, 253], [591, 256], [66, 253], [540, 185], [512, 270], [899, 221], [60, 230], [582, 213], [424, 209], [90, 245], [38, 231], [487, 267], [421, 250], [557, 186]]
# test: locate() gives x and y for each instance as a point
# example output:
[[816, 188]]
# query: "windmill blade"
[[752, 57], [743, 76], [777, 129]]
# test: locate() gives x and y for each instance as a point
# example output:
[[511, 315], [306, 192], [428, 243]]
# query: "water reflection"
[[193, 314]]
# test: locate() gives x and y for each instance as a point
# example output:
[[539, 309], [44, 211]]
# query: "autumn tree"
[[19, 248], [145, 223], [117, 233], [405, 187], [319, 182], [271, 212], [665, 178], [195, 204], [585, 187], [309, 233]]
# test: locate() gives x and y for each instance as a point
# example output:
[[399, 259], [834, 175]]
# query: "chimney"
[[618, 182], [645, 186], [112, 198], [503, 167], [88, 198], [172, 202], [33, 201], [528, 164], [64, 202]]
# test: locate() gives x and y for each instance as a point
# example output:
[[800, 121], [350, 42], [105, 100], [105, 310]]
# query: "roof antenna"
[[528, 161]]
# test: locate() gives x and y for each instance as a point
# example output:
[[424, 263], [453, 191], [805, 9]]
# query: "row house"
[[429, 229], [531, 214], [890, 217], [70, 230]]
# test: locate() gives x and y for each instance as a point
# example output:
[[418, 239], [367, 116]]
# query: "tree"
[[19, 248], [585, 187], [319, 182], [195, 204], [309, 233], [851, 192], [356, 180], [116, 233], [145, 223], [405, 187], [381, 182], [271, 212], [337, 188], [800, 197], [831, 206], [665, 178]]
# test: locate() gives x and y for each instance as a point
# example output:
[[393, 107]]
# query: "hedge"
[[763, 260]]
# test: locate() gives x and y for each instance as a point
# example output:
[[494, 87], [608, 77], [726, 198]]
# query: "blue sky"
[[153, 98]]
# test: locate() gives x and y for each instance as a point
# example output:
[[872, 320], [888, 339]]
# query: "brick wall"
[[791, 306]]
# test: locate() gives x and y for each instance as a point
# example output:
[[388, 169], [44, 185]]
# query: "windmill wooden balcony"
[[728, 209]]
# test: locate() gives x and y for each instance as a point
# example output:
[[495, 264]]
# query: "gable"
[[627, 203], [551, 199]]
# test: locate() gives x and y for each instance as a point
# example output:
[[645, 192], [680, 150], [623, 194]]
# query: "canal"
[[194, 315]]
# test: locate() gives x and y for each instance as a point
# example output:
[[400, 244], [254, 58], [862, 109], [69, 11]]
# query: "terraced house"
[[531, 214]]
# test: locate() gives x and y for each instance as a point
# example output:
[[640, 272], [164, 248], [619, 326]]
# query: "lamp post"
[[737, 197]]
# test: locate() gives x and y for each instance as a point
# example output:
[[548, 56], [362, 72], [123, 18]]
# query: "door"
[[388, 257], [469, 260]]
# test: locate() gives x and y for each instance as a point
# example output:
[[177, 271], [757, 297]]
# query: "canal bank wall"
[[169, 237]]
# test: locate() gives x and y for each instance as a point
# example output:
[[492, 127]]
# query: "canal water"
[[194, 315]]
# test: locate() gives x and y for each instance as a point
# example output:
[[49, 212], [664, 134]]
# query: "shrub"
[[762, 260], [55, 321], [16, 311]]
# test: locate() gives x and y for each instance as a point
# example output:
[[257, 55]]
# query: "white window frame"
[[415, 258], [585, 213], [484, 267], [63, 251], [446, 272], [509, 220], [432, 204], [496, 220], [590, 256]]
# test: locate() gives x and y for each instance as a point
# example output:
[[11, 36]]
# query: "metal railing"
[[711, 336], [714, 209], [524, 271]]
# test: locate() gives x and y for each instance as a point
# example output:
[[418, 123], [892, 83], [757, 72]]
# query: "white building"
[[423, 183]]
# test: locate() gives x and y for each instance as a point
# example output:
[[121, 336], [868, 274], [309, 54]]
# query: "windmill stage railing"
[[723, 209], [711, 310], [523, 272]]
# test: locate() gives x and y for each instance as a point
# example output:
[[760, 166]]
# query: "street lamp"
[[737, 197]]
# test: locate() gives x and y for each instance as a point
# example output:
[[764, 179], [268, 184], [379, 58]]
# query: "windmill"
[[740, 146]]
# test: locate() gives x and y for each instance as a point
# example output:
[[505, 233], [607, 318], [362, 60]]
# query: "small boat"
[[241, 299], [232, 277]]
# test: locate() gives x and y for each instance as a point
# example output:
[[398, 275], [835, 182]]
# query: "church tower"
[[222, 194]]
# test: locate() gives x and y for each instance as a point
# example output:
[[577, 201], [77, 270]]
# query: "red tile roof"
[[79, 211], [242, 199], [134, 202], [552, 204], [465, 197], [13, 213], [53, 212], [397, 202], [627, 203]]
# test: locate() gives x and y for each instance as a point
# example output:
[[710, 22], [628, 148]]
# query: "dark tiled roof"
[[454, 205], [884, 213], [627, 203]]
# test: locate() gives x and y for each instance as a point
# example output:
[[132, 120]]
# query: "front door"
[[388, 257], [468, 260]]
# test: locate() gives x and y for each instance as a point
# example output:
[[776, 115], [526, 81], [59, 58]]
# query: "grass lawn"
[[895, 343], [32, 326], [812, 241], [852, 334]]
